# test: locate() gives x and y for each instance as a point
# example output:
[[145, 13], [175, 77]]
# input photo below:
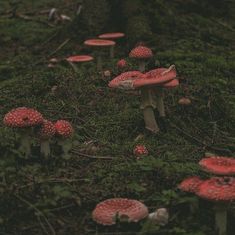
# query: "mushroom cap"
[[128, 77], [63, 128], [107, 211], [23, 117], [79, 58], [218, 165], [99, 42], [172, 84], [121, 63], [47, 130], [184, 101], [141, 52], [140, 150], [111, 35], [190, 184], [218, 189]]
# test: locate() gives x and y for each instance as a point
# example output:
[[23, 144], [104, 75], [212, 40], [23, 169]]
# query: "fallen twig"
[[59, 47], [91, 156]]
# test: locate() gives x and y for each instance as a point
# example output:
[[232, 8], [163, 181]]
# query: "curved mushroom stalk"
[[160, 101], [142, 66], [220, 218], [45, 148], [66, 146], [148, 103], [99, 63], [74, 67], [25, 144], [111, 52]]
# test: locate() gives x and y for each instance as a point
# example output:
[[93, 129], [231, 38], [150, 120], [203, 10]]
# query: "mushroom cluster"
[[31, 124], [219, 189]]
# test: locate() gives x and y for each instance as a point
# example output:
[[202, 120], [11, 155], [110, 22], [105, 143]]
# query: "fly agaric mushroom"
[[78, 59], [140, 151], [108, 211], [121, 64], [160, 216], [46, 131], [218, 165], [126, 81], [190, 184], [111, 36], [24, 119], [141, 53], [64, 131], [220, 190], [99, 43]]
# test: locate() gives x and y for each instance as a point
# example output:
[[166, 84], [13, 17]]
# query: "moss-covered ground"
[[57, 196]]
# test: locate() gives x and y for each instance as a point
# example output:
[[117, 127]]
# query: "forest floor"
[[57, 196]]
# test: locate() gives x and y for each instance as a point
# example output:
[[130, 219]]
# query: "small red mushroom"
[[218, 165], [140, 151], [108, 211], [190, 184], [24, 119], [141, 53], [45, 133], [121, 64], [64, 131]]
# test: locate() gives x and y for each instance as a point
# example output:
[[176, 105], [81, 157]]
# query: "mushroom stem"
[[45, 148], [25, 144], [111, 52], [99, 62], [160, 102], [220, 219], [74, 67], [66, 146], [148, 103], [142, 66]]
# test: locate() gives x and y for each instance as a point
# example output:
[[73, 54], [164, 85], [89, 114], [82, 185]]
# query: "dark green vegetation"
[[57, 197]]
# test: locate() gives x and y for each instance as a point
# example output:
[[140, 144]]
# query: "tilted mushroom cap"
[[141, 52], [184, 101], [190, 184], [173, 83], [99, 42], [129, 77], [218, 165], [80, 58], [111, 35], [23, 117], [64, 128], [47, 130], [218, 189], [107, 211]]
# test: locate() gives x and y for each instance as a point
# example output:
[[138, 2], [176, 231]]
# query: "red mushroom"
[[46, 132], [121, 64], [220, 190], [140, 151], [99, 43], [78, 59], [218, 165], [127, 81], [108, 211], [141, 53], [190, 184], [64, 131], [111, 36], [24, 119]]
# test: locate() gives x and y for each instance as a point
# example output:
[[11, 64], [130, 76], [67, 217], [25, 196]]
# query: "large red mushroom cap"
[[111, 35], [218, 165], [141, 52], [79, 58], [63, 129], [23, 117], [123, 80], [99, 42], [190, 184], [172, 84], [107, 211], [47, 130], [218, 189]]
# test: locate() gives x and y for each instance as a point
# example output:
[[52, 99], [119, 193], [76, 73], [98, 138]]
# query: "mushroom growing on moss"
[[24, 119], [141, 53], [140, 151], [121, 64], [72, 60], [64, 131], [122, 209], [99, 43], [46, 132]]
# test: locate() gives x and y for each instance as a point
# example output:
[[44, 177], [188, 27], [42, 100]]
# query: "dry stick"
[[38, 211], [59, 47], [91, 156], [199, 141]]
